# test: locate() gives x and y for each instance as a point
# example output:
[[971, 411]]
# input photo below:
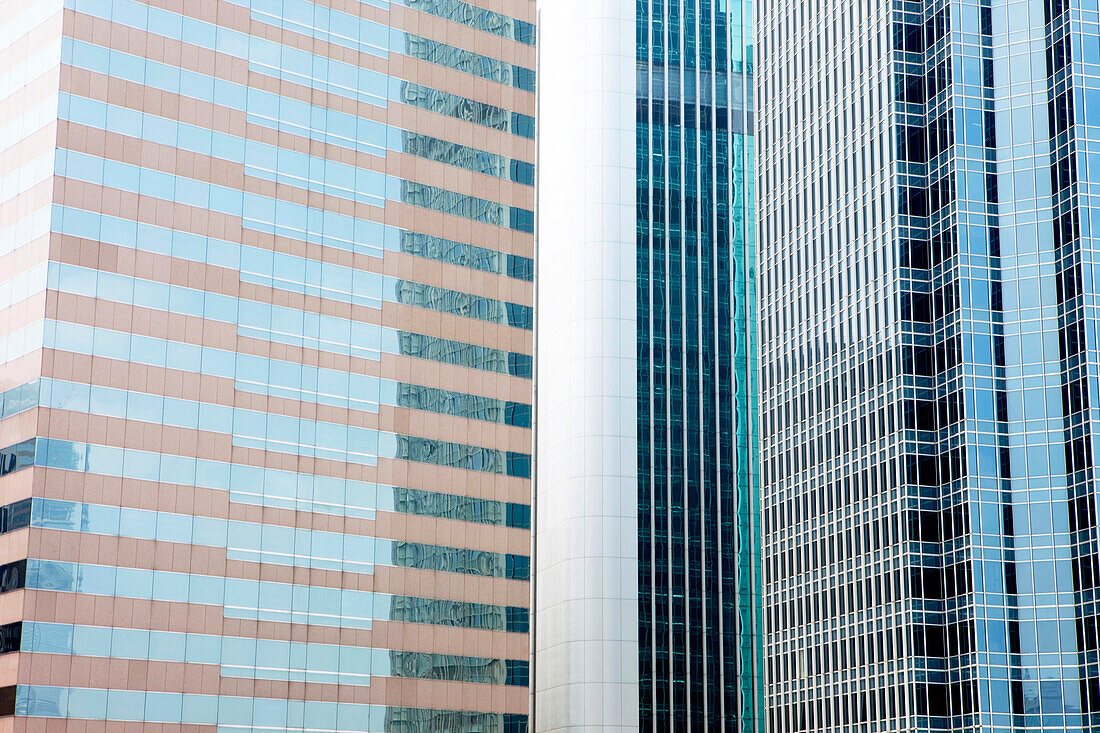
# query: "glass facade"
[[647, 554], [929, 362], [265, 369], [698, 488]]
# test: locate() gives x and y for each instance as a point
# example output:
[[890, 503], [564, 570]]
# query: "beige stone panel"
[[456, 277], [452, 695], [22, 370], [13, 545], [456, 328], [79, 309], [99, 672], [18, 428], [55, 607], [459, 131], [135, 435], [212, 170], [26, 202], [34, 145], [11, 8], [54, 725], [452, 227], [233, 69], [466, 85], [12, 603], [33, 253], [9, 669], [25, 312], [454, 178], [167, 497], [19, 485], [64, 546], [75, 308], [450, 640], [35, 92], [34, 39], [452, 533]]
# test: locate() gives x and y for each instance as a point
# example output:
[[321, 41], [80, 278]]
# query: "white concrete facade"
[[586, 511]]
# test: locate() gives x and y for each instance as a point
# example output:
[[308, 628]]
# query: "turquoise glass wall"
[[698, 497]]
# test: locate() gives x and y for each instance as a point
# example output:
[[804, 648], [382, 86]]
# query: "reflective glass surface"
[[930, 523], [698, 494], [240, 713]]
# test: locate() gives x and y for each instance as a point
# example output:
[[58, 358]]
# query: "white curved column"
[[586, 525]]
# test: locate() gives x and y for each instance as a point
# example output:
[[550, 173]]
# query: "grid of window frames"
[[698, 494], [286, 372], [930, 522], [836, 613]]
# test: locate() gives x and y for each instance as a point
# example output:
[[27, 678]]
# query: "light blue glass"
[[332, 26], [21, 341], [22, 286], [247, 485], [295, 221], [239, 656], [25, 230], [19, 399], [240, 713], [473, 16], [267, 601], [283, 324], [268, 543], [199, 86], [359, 445]]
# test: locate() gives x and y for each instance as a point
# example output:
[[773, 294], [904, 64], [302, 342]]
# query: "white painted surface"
[[586, 595]]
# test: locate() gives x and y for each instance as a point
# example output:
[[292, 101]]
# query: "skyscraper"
[[266, 364], [929, 364], [647, 576]]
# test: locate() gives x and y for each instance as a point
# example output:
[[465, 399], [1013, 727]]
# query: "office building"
[[647, 564], [266, 364], [929, 360]]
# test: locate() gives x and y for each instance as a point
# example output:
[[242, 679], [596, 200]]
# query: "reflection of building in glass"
[[432, 148], [414, 720], [468, 110], [457, 58], [432, 557], [471, 306], [480, 18], [441, 667], [446, 250], [449, 613], [467, 508], [461, 354], [450, 202], [458, 455]]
